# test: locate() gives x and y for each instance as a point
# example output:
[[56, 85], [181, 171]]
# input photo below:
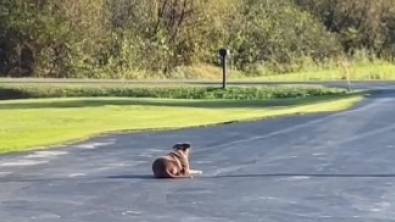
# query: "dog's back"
[[165, 167], [173, 165]]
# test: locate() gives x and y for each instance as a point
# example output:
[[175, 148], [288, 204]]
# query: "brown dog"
[[174, 164]]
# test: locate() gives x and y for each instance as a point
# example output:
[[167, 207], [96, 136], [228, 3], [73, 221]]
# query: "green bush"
[[135, 39], [23, 91]]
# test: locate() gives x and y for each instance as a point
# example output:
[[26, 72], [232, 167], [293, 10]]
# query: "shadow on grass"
[[92, 102]]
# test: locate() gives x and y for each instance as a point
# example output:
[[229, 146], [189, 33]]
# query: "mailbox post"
[[224, 54]]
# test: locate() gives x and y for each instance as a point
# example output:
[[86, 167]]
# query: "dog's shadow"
[[132, 176], [138, 176], [148, 176]]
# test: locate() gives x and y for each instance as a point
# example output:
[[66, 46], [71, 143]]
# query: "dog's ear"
[[182, 146], [178, 146], [186, 146]]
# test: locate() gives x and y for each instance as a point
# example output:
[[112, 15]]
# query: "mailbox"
[[224, 53]]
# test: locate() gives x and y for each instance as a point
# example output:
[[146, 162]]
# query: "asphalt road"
[[327, 168]]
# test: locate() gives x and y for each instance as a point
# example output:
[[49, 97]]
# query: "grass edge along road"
[[36, 124]]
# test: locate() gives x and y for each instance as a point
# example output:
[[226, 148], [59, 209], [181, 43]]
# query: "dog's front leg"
[[188, 173], [187, 170]]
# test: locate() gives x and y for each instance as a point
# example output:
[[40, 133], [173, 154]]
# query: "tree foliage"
[[130, 38], [357, 23]]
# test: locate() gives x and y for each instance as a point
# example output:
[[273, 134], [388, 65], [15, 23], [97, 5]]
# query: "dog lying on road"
[[175, 164]]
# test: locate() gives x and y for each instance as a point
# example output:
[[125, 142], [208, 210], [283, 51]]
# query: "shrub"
[[23, 91]]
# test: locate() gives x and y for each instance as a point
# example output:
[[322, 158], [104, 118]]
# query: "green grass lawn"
[[36, 124]]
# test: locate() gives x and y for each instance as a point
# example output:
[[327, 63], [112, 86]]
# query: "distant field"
[[379, 71], [35, 124], [367, 72]]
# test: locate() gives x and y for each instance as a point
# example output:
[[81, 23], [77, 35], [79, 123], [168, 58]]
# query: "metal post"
[[224, 54], [224, 72]]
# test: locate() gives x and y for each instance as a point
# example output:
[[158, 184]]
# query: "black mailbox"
[[224, 53]]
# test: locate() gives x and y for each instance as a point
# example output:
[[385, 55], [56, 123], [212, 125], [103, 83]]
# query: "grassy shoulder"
[[358, 68], [361, 71], [33, 124]]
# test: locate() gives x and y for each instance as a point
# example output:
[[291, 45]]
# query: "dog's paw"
[[196, 172]]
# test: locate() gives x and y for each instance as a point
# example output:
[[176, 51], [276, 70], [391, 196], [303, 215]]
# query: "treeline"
[[134, 38]]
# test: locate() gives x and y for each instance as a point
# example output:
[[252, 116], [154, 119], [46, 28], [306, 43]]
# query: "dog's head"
[[184, 147]]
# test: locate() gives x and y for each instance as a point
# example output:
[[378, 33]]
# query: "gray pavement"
[[328, 168]]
